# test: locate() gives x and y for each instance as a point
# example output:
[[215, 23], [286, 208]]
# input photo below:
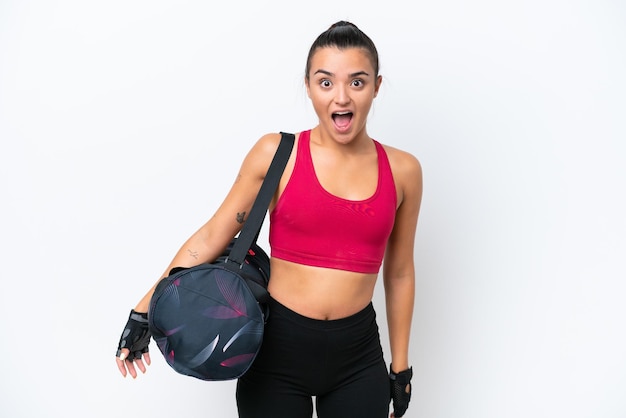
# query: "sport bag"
[[208, 320]]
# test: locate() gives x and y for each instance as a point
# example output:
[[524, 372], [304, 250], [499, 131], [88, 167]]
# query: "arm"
[[208, 242], [399, 267], [399, 277]]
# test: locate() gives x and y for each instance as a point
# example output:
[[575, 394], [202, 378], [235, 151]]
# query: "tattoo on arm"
[[241, 217], [194, 254]]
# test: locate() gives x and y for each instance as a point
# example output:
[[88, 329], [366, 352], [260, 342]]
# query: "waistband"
[[367, 313]]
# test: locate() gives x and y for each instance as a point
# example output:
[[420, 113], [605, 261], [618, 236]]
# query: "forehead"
[[338, 61]]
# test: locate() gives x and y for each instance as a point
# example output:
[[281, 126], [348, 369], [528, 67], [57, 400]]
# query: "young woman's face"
[[342, 85]]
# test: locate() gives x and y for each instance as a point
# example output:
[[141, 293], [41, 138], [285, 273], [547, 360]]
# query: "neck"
[[358, 142]]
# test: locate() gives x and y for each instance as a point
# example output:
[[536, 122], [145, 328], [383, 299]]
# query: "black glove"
[[400, 390], [136, 336]]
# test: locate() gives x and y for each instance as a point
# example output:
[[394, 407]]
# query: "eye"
[[357, 83], [325, 83]]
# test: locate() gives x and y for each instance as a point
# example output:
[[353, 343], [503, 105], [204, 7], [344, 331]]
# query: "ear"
[[379, 81], [308, 87]]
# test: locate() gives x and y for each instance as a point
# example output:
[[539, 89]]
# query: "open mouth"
[[342, 119]]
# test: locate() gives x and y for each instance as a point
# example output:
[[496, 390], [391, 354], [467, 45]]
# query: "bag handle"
[[250, 231]]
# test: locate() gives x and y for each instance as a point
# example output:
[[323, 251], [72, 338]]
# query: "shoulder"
[[407, 175], [266, 145], [260, 156], [404, 165]]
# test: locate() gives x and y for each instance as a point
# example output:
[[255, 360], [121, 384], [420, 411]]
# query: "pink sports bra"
[[311, 226]]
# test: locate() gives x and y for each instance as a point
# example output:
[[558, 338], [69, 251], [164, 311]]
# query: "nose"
[[342, 95]]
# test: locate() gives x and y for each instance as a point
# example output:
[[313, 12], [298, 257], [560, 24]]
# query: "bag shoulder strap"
[[250, 231]]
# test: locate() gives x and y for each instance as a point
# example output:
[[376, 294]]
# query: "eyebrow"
[[328, 73]]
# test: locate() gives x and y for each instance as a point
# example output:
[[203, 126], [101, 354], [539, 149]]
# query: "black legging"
[[340, 362]]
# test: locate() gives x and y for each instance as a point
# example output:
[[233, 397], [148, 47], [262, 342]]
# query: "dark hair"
[[344, 35]]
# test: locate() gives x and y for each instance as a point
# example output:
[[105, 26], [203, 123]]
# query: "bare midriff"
[[320, 293]]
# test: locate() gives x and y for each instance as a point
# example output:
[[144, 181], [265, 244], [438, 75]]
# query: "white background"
[[123, 124]]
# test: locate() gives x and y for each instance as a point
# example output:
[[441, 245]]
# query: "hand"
[[133, 345], [400, 391]]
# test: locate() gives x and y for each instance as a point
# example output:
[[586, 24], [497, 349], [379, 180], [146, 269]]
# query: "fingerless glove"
[[400, 390], [136, 336]]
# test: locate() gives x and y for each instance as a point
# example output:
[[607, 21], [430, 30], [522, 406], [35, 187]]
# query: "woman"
[[345, 203]]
